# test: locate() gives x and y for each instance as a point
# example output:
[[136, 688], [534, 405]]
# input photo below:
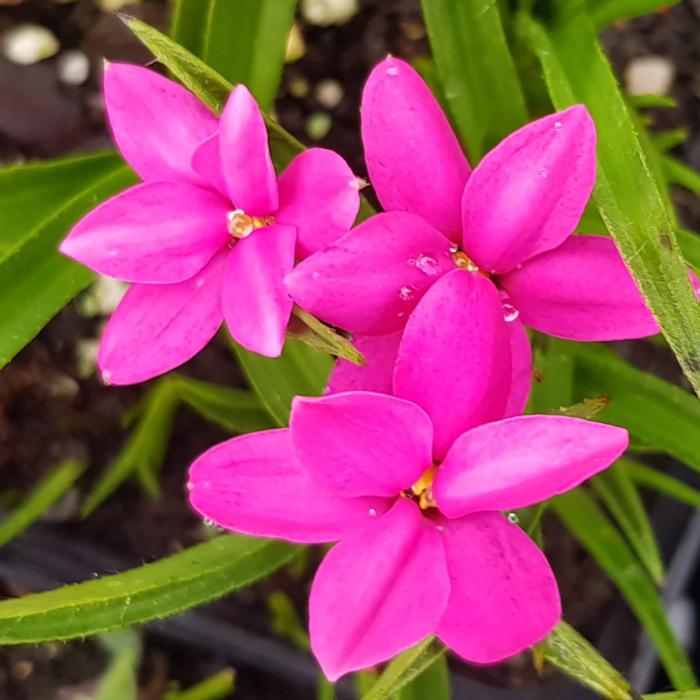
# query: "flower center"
[[240, 224], [422, 491], [464, 262]]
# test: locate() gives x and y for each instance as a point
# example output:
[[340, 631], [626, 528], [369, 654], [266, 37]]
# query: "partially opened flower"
[[511, 219], [211, 233], [412, 486]]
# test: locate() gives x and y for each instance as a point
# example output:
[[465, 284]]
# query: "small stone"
[[27, 44], [329, 93], [327, 12], [73, 67], [649, 75]]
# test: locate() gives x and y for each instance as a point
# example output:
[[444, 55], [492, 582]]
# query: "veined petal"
[[527, 195], [253, 484], [380, 353], [519, 461], [320, 197], [378, 592], [257, 306], [206, 162], [159, 327], [521, 369], [454, 358], [581, 290], [361, 444], [155, 233], [504, 597], [372, 278], [414, 159], [245, 155], [156, 123]]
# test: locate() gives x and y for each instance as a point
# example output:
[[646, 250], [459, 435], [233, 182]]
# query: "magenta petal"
[[360, 443], [156, 233], [158, 327], [156, 123], [516, 462], [414, 160], [319, 195], [454, 358], [527, 195], [253, 484], [377, 375], [257, 306], [378, 592], [245, 155], [581, 290], [372, 278], [504, 597], [521, 369], [206, 162]]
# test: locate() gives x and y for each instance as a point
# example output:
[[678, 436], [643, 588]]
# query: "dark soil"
[[48, 412]]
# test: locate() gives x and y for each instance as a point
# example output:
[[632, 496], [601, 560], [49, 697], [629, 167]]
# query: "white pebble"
[[649, 75], [73, 67], [327, 12], [29, 43]]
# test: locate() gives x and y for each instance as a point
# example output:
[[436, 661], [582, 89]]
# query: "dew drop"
[[426, 264], [372, 513], [392, 71], [315, 275], [200, 282], [510, 313], [405, 293], [513, 518], [557, 125], [440, 528], [544, 173]]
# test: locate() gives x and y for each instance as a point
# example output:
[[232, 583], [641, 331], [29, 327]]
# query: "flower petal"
[[372, 278], [504, 597], [581, 290], [156, 233], [159, 327], [320, 196], [378, 592], [253, 484], [519, 461], [528, 193], [156, 123], [380, 353], [256, 303], [360, 443], [413, 158], [206, 162], [245, 155], [521, 369], [454, 358]]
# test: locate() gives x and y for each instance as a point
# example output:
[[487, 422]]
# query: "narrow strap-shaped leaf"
[[589, 524], [619, 493], [554, 367], [476, 70], [40, 498], [404, 668], [432, 684], [690, 245], [120, 680], [188, 23], [662, 483], [679, 173], [680, 695], [149, 592], [245, 42], [607, 12], [217, 687], [576, 70], [571, 653]]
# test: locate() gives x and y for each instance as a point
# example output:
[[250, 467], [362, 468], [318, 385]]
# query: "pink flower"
[[211, 233], [411, 486], [511, 219]]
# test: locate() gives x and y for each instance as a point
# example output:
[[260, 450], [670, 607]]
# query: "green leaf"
[[150, 592], [188, 23], [662, 483], [233, 409], [657, 413], [607, 12], [619, 494], [30, 194], [476, 70], [589, 524], [571, 653], [36, 281], [49, 490], [679, 173], [680, 695], [690, 245], [554, 373], [245, 42], [300, 371], [576, 70], [120, 681], [404, 668], [217, 687], [432, 684]]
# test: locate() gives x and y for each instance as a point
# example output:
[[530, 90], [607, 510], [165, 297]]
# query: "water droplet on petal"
[[315, 275], [200, 282], [106, 377], [557, 125], [513, 518], [440, 528], [372, 513], [392, 71], [405, 293], [544, 173], [510, 313], [208, 522], [426, 264]]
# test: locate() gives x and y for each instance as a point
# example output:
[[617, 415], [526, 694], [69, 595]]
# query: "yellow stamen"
[[463, 261], [423, 489], [241, 224]]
